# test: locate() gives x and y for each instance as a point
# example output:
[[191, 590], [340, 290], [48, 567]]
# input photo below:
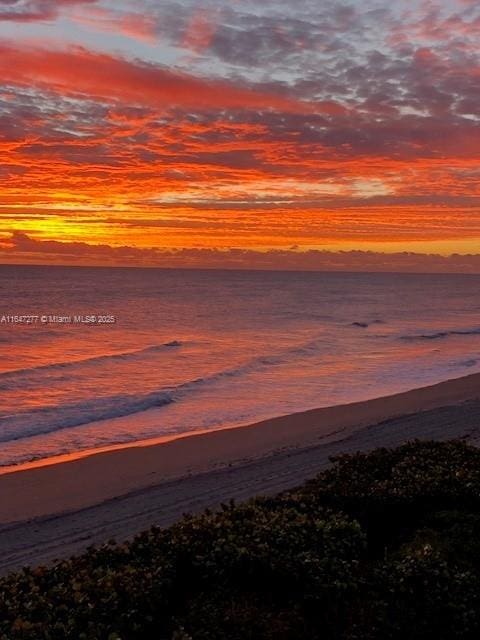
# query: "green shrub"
[[423, 596], [390, 492], [383, 545]]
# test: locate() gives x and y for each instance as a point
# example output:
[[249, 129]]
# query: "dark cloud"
[[35, 10], [20, 246]]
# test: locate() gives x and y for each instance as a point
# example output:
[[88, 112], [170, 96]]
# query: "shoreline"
[[450, 387], [77, 481], [53, 512]]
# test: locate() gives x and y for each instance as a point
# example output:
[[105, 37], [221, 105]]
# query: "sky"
[[277, 134]]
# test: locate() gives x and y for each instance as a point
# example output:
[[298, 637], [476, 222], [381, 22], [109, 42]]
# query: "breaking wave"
[[54, 418], [112, 357], [442, 334]]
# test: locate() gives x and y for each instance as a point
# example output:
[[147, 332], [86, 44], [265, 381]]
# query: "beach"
[[199, 351], [58, 509]]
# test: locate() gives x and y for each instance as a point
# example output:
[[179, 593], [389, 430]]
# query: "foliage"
[[381, 545]]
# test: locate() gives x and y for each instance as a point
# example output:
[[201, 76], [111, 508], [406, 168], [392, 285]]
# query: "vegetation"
[[382, 545]]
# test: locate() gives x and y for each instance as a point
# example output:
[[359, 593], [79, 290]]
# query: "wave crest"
[[50, 419], [94, 360], [442, 334]]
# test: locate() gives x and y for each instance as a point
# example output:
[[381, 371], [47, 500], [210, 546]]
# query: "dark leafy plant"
[[382, 545]]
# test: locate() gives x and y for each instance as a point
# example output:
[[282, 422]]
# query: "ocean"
[[120, 355]]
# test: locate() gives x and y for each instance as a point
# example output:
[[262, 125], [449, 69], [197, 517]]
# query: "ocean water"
[[200, 350]]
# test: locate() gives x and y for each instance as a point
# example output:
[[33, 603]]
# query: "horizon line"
[[237, 269]]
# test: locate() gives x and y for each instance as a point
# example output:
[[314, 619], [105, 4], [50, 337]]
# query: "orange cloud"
[[314, 141], [105, 77]]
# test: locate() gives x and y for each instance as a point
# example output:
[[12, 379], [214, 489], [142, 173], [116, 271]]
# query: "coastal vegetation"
[[380, 545]]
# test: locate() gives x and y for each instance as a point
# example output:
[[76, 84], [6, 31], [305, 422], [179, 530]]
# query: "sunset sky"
[[282, 133]]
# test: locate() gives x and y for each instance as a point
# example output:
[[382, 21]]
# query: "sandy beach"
[[59, 509]]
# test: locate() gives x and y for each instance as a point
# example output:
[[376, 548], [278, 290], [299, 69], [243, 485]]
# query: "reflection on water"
[[200, 350]]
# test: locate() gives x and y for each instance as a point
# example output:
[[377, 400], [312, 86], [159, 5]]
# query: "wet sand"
[[54, 511]]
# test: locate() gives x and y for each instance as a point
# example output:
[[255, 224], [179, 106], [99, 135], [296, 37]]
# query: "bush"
[[391, 492], [381, 545]]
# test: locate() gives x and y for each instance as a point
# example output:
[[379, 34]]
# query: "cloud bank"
[[20, 248]]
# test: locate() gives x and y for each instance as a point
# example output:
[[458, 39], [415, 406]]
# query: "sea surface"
[[201, 350]]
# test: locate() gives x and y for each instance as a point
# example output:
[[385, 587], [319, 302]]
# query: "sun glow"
[[107, 140]]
